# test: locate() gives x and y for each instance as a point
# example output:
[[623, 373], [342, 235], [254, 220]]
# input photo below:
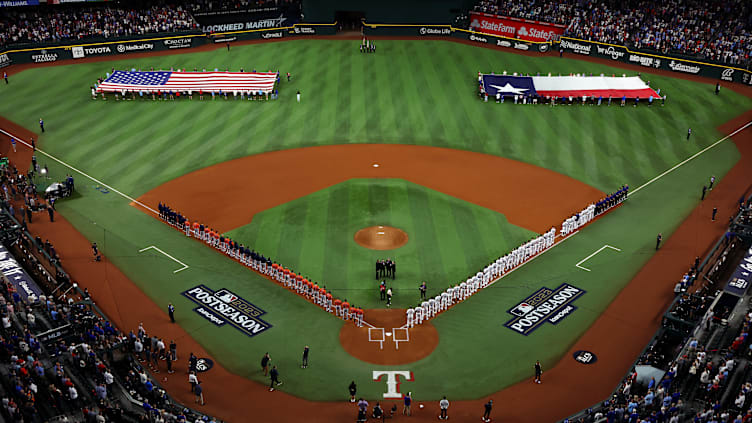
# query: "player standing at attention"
[[305, 357], [538, 371], [487, 413]]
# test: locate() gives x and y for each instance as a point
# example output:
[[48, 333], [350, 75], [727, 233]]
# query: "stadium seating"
[[60, 358], [715, 30], [697, 368]]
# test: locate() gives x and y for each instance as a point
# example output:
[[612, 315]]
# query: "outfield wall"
[[50, 54], [565, 45]]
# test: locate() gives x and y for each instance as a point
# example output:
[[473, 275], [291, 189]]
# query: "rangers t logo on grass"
[[223, 306], [544, 305], [392, 381]]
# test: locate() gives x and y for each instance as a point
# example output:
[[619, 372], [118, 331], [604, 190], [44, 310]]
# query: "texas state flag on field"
[[566, 86]]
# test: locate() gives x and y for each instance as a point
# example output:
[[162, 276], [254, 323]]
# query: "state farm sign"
[[514, 28]]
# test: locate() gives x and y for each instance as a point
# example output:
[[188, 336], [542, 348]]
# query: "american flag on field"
[[189, 81]]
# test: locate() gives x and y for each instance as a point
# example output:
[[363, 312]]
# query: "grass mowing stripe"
[[294, 212], [448, 239], [312, 240], [426, 77], [425, 231], [338, 207]]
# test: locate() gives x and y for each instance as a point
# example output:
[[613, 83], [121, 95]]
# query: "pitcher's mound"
[[381, 237]]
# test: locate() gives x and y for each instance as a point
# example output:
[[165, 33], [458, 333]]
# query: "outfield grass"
[[449, 239], [410, 92]]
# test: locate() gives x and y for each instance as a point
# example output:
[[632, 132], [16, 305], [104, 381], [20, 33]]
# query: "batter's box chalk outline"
[[591, 256], [380, 340], [398, 339], [151, 247]]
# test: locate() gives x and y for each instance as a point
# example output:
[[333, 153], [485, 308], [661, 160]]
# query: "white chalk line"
[[126, 196], [632, 192], [151, 247], [592, 255]]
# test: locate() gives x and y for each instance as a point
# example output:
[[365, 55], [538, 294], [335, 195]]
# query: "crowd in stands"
[[63, 23], [304, 287], [60, 359], [717, 30], [204, 6], [46, 24], [700, 359]]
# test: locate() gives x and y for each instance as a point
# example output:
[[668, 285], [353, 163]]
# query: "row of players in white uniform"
[[453, 295]]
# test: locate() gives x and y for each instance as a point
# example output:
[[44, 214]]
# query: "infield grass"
[[449, 239]]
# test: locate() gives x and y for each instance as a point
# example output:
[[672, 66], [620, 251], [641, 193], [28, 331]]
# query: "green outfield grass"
[[449, 239], [410, 92]]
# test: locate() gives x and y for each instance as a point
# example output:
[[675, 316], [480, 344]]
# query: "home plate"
[[375, 165], [388, 334]]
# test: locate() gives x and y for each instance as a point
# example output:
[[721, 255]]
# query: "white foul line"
[[591, 255], [185, 266], [689, 159], [82, 173]]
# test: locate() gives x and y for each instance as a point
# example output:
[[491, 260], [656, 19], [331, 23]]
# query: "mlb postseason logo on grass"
[[545, 305], [224, 307]]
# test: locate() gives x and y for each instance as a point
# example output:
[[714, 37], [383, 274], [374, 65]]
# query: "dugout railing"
[[706, 260]]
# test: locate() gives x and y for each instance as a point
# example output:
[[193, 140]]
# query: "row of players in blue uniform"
[[175, 218], [170, 215], [611, 200]]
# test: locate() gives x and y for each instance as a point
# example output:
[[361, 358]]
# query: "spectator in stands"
[[715, 30], [55, 24]]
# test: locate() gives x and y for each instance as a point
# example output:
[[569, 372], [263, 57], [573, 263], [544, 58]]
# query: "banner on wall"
[[22, 282], [515, 28], [14, 3], [678, 65], [739, 281]]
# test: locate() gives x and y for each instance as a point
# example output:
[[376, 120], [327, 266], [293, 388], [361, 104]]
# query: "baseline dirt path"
[[617, 336], [477, 178]]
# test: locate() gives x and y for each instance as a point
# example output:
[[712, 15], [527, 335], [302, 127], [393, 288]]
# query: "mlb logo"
[[225, 296], [522, 309]]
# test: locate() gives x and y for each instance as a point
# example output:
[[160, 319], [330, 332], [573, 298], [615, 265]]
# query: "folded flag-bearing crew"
[[367, 46], [304, 287]]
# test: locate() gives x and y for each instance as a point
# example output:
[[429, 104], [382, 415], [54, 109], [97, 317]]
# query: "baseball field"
[[396, 138]]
